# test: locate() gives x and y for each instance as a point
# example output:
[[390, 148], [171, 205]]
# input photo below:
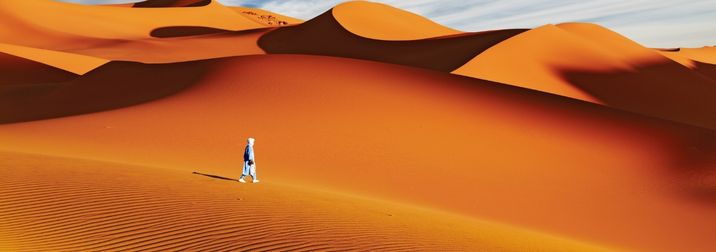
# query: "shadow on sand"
[[215, 176]]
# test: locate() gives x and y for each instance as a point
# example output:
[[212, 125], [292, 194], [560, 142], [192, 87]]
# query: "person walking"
[[249, 162]]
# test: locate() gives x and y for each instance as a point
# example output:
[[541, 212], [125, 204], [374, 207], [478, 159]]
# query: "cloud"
[[654, 23]]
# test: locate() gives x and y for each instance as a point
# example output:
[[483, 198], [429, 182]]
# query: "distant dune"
[[122, 129], [383, 22], [126, 33], [591, 63], [325, 35]]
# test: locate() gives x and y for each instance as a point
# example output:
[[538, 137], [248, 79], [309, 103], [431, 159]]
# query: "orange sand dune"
[[591, 63], [148, 35], [383, 22], [113, 85], [71, 27], [75, 63], [487, 150], [265, 17], [324, 35], [704, 54], [703, 60], [176, 49], [53, 204]]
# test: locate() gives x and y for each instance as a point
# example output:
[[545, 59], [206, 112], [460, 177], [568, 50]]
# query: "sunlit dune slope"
[[115, 33], [265, 17], [591, 63], [704, 54], [173, 48], [63, 204], [62, 23], [324, 35], [488, 150], [383, 22]]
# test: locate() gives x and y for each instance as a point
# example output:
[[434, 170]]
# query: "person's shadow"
[[215, 176]]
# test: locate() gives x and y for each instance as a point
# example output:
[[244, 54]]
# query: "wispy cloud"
[[654, 23]]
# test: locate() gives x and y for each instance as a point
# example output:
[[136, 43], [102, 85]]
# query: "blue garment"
[[248, 155], [248, 171]]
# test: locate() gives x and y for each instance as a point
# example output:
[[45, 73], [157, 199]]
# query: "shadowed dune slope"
[[171, 3], [405, 134], [591, 63], [323, 35], [703, 60], [64, 204], [183, 31], [75, 63], [114, 85], [19, 70], [383, 22]]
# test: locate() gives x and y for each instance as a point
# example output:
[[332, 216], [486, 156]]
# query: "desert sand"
[[565, 137], [112, 206]]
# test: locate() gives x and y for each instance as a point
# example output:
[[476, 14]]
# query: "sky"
[[653, 23]]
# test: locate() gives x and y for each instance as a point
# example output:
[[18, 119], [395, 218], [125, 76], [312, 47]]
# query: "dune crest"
[[323, 35], [75, 63], [384, 22], [591, 63], [64, 26]]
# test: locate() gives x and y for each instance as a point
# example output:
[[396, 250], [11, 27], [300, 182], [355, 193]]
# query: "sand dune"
[[702, 60], [383, 22], [177, 49], [353, 154], [324, 35], [591, 63], [265, 17], [19, 70], [67, 23], [52, 203], [379, 132], [704, 54], [125, 33], [113, 85], [75, 63]]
